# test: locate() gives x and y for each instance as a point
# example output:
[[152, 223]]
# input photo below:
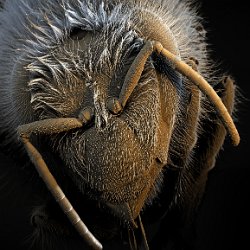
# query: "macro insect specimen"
[[111, 100]]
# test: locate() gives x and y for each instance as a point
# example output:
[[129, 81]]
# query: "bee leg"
[[216, 135], [215, 132], [209, 143]]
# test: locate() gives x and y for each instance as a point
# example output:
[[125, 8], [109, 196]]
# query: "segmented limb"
[[205, 87], [134, 73], [136, 69], [209, 144], [52, 126]]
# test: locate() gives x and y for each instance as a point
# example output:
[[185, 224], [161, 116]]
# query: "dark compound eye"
[[162, 65], [77, 33]]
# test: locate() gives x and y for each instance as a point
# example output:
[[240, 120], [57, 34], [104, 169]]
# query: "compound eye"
[[77, 33]]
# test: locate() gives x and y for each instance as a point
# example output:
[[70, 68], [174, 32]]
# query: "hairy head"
[[61, 57]]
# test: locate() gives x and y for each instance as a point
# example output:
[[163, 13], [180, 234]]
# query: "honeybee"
[[108, 99]]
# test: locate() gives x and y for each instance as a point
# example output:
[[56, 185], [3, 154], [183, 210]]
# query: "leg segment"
[[52, 126], [136, 69]]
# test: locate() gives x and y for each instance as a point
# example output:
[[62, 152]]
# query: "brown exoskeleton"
[[112, 93]]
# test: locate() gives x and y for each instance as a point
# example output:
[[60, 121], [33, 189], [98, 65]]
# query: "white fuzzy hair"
[[44, 74], [31, 28]]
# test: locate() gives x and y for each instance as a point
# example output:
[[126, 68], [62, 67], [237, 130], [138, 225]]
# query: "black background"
[[223, 219]]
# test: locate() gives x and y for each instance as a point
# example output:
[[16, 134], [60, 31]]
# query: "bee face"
[[118, 158], [113, 123]]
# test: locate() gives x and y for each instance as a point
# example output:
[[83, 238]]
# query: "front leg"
[[210, 142]]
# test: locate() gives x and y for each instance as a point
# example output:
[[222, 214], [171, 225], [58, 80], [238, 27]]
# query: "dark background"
[[223, 219]]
